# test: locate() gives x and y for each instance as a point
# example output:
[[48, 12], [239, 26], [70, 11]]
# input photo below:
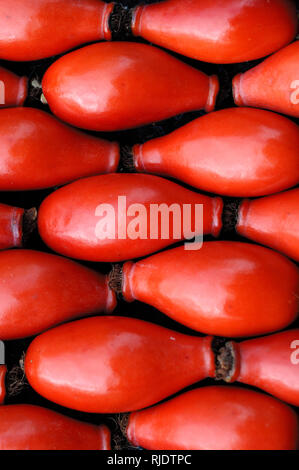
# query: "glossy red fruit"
[[39, 290], [29, 427], [120, 85], [34, 29], [273, 84], [219, 31], [38, 151], [115, 364], [112, 218], [235, 152], [13, 89], [11, 226], [272, 221], [216, 418], [225, 288], [270, 363], [3, 370]]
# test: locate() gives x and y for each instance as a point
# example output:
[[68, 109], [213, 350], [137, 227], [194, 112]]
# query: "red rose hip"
[[273, 84], [38, 151], [122, 85], [272, 221], [216, 418], [225, 288], [235, 152], [36, 29], [13, 89], [116, 217], [39, 290], [219, 31]]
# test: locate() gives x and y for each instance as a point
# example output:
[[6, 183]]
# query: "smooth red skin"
[[29, 427], [67, 221], [11, 226], [225, 288], [121, 85], [216, 418], [266, 363], [39, 290], [272, 221], [269, 84], [240, 152], [218, 31], [13, 88], [3, 371], [38, 151], [35, 29], [115, 364]]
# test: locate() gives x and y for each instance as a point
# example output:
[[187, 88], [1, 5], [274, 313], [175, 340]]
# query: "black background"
[[15, 349]]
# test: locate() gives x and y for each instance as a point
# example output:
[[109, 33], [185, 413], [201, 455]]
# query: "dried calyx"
[[230, 214], [120, 22], [29, 222], [16, 379], [126, 164], [115, 279], [226, 359]]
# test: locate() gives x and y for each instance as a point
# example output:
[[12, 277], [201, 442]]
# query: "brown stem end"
[[29, 222], [126, 164], [230, 214], [115, 279]]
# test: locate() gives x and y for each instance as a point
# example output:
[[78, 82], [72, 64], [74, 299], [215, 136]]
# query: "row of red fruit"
[[69, 223], [122, 85], [240, 152]]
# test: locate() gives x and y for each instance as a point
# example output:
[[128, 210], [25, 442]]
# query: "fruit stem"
[[230, 214], [115, 279], [120, 22], [126, 164]]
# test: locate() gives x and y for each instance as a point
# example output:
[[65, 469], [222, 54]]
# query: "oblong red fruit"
[[39, 290], [116, 217], [216, 418], [272, 221], [272, 84], [36, 29], [38, 151], [13, 89], [29, 427], [219, 31], [115, 364], [270, 363], [240, 152], [225, 288]]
